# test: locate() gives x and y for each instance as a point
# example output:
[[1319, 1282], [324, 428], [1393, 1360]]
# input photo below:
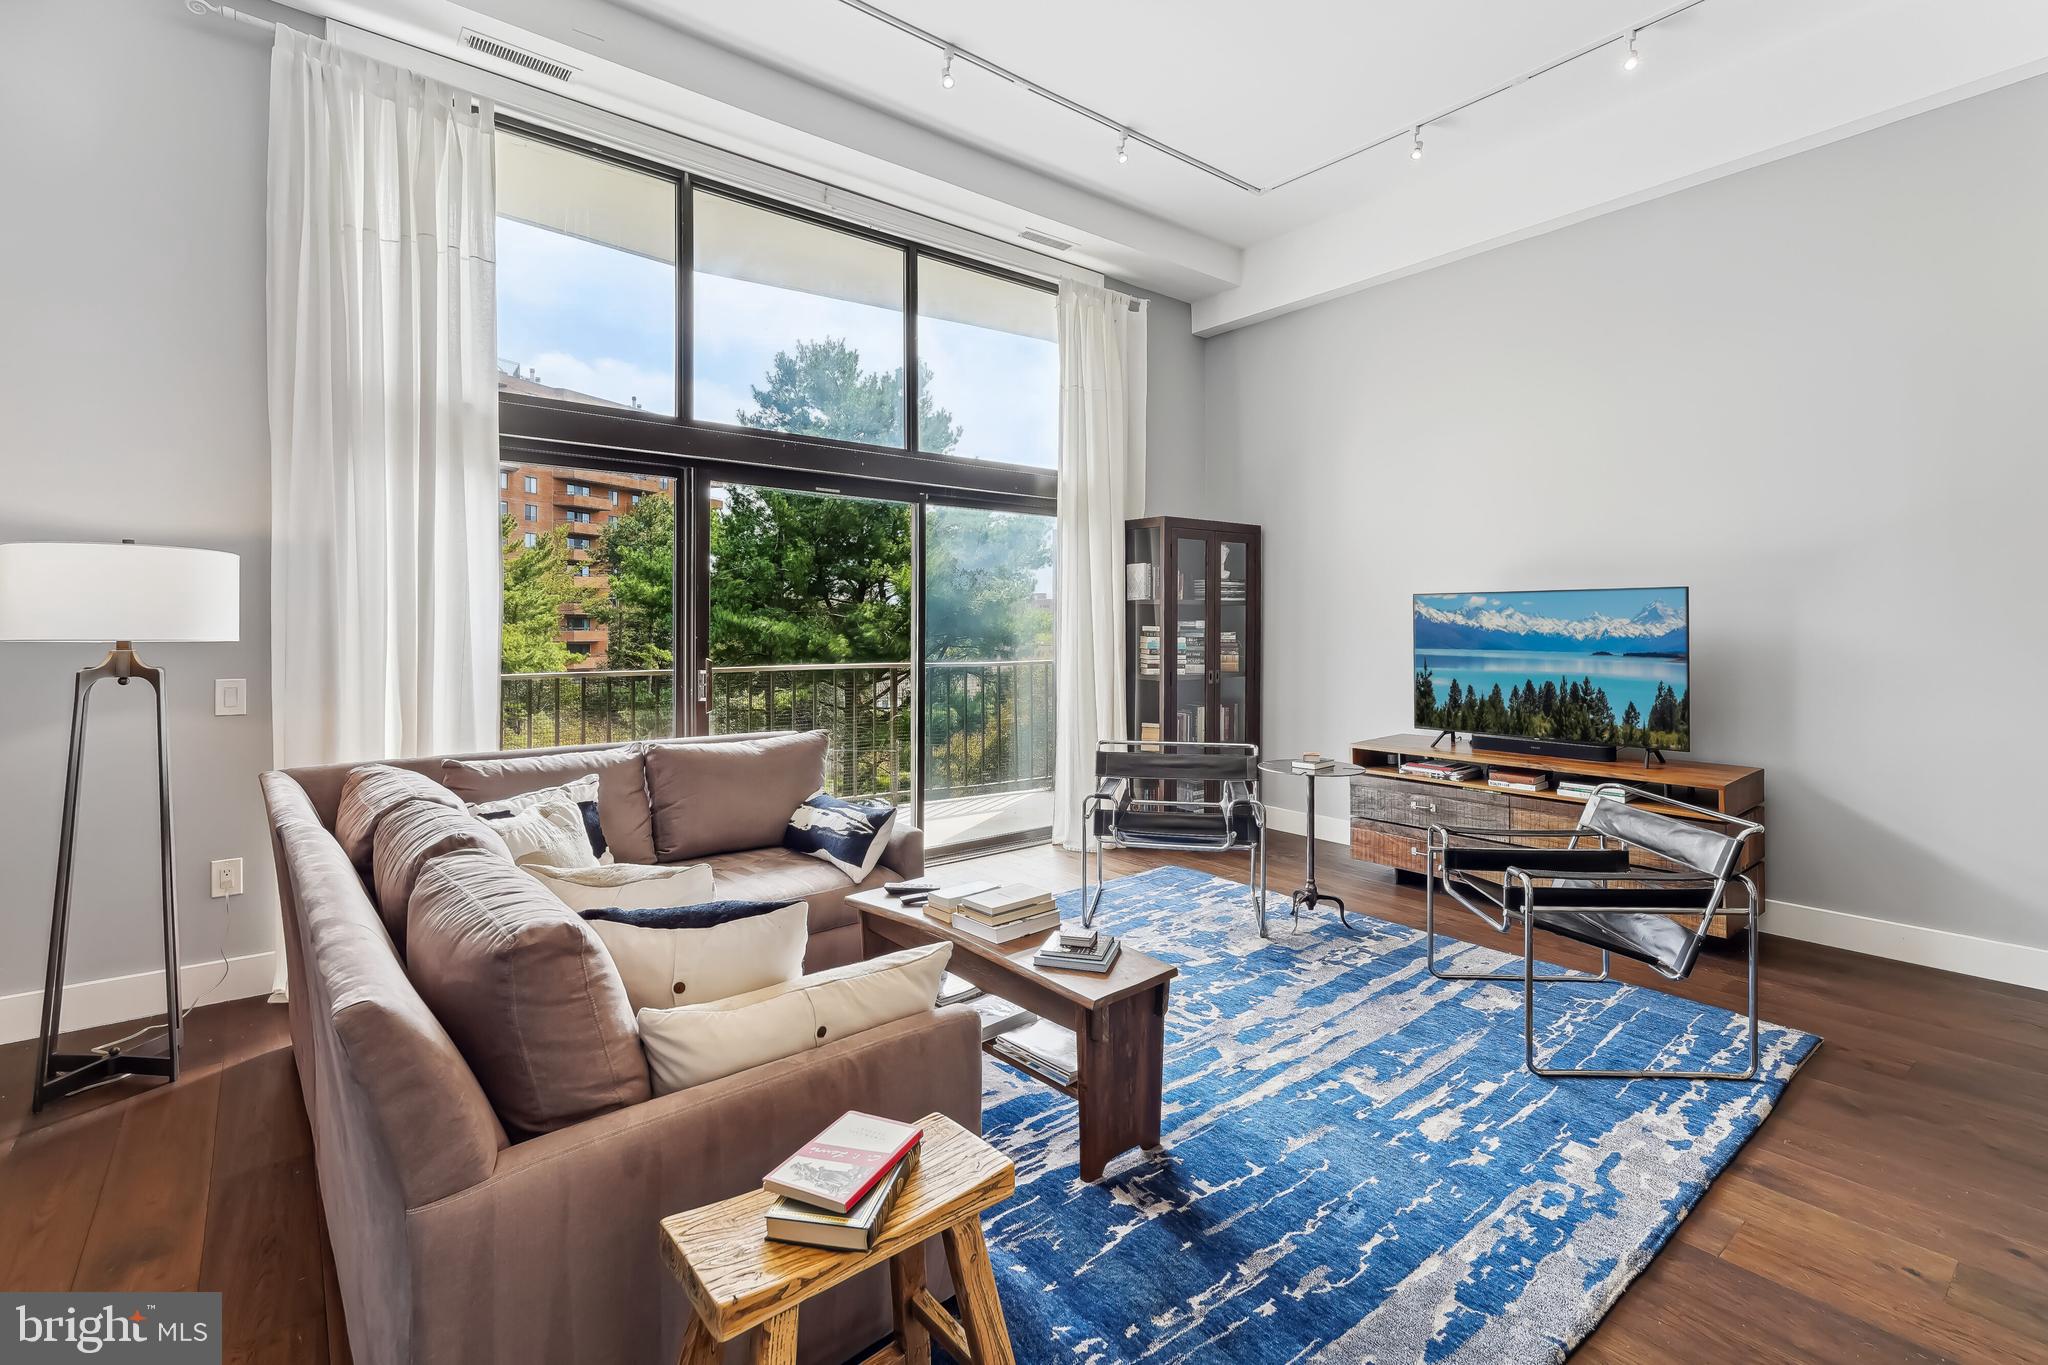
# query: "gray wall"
[[1174, 450], [132, 143], [1813, 391]]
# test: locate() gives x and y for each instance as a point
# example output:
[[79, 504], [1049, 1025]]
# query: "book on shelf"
[[1518, 780], [792, 1220], [1010, 900], [1009, 930], [999, 1016], [1586, 791], [1440, 771], [1139, 583], [1148, 730], [837, 1168], [954, 989], [1097, 961], [1044, 1047], [1312, 763], [1151, 651]]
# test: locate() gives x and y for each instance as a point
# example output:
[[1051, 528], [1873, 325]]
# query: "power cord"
[[226, 914]]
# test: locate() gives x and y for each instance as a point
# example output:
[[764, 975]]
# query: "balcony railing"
[[988, 722]]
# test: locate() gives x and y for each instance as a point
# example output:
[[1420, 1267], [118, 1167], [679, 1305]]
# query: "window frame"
[[565, 433]]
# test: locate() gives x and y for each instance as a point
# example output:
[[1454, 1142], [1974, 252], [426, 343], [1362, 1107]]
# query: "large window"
[[586, 279], [797, 328], [989, 367]]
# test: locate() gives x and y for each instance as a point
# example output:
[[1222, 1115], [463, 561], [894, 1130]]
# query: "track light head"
[[1634, 58], [946, 72], [1122, 142], [1415, 150]]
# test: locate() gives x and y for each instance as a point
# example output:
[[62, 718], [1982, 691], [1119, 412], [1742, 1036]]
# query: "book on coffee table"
[[1097, 960], [941, 904], [792, 1220], [1010, 930], [1004, 902], [1042, 1046], [837, 1168]]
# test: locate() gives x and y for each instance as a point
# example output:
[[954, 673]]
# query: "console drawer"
[[1389, 845], [1390, 800]]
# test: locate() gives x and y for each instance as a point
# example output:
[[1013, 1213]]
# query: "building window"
[[575, 623], [988, 360], [664, 483], [576, 490], [586, 278], [577, 646], [797, 327], [532, 484], [580, 542], [636, 500], [504, 510], [532, 512], [615, 497], [576, 515], [503, 478], [532, 540]]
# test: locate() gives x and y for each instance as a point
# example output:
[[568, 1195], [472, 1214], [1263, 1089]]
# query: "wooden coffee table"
[[1118, 1019]]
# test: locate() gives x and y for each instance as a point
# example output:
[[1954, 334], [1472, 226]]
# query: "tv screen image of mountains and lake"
[[1602, 666]]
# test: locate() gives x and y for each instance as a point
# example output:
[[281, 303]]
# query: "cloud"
[[1475, 601]]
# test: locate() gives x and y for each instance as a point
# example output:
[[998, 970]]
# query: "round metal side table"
[[1310, 895]]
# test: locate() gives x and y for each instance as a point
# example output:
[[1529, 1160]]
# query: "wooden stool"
[[737, 1280]]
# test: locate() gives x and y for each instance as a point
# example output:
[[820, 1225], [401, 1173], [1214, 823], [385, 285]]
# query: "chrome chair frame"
[[1115, 791], [1503, 912]]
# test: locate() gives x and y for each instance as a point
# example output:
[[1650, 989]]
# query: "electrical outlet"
[[227, 877]]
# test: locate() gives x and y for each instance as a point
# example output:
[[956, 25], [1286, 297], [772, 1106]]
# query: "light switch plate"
[[231, 696]]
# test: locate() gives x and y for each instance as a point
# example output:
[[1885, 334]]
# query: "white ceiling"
[[1265, 92]]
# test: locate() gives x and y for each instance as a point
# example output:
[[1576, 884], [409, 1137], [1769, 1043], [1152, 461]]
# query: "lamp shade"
[[95, 592]]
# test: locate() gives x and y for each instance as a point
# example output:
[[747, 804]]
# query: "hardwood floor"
[[1894, 1208]]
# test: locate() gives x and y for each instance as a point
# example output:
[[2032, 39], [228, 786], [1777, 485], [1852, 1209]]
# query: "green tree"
[[821, 390], [797, 578], [539, 585], [637, 552], [1425, 695]]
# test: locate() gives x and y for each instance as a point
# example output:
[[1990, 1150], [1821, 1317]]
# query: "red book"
[[835, 1169]]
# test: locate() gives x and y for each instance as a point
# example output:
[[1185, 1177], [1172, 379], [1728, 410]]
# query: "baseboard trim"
[[2013, 963], [117, 999]]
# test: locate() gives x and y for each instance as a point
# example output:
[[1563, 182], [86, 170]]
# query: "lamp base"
[[65, 1073]]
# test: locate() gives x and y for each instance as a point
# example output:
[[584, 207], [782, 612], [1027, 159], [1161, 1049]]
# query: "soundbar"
[[1548, 748]]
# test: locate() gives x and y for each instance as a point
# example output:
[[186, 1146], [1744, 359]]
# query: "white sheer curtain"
[[383, 410], [1101, 483]]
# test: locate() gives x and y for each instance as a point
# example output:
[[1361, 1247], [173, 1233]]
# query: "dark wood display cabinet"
[[1191, 630]]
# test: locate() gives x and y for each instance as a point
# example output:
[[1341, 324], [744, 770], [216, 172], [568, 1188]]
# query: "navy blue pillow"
[[850, 835], [688, 916]]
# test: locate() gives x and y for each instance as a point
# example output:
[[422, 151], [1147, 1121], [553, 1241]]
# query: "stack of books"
[[1078, 950], [836, 1191], [1043, 1047], [1003, 913], [1518, 780], [1440, 770], [941, 904], [1227, 657], [1151, 656], [1312, 763], [1586, 791]]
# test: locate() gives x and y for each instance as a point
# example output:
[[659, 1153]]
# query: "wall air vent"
[[518, 56], [1049, 242]]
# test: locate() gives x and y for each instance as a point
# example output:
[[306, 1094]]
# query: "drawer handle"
[[1418, 804], [1414, 852]]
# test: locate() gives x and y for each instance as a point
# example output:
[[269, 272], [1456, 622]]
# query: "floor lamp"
[[120, 593]]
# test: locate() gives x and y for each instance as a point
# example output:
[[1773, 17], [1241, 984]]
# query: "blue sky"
[[602, 321], [1568, 605]]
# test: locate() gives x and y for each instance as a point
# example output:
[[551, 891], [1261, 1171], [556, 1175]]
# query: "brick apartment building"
[[539, 498]]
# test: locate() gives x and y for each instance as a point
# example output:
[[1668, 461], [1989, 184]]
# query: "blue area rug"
[[1356, 1166]]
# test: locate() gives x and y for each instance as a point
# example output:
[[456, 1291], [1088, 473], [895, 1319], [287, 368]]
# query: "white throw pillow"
[[692, 955], [582, 793], [699, 1043], [551, 833], [628, 886]]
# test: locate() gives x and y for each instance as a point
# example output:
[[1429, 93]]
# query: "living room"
[[1090, 622]]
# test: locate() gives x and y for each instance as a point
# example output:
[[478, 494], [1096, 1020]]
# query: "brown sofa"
[[455, 1244]]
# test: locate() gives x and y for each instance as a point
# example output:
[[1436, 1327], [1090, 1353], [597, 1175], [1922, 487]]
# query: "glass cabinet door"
[[1146, 593], [1233, 641], [1191, 589]]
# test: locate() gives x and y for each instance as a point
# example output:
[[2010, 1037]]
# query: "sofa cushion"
[[526, 990], [848, 835], [408, 837], [698, 1043], [582, 794], [627, 886], [369, 793], [621, 789], [718, 796], [689, 954], [776, 874], [550, 834]]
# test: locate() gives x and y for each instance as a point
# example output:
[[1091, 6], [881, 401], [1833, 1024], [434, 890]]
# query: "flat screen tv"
[[1594, 666]]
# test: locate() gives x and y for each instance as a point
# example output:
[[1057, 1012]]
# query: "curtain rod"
[[230, 12]]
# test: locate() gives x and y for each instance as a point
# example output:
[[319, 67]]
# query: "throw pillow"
[[410, 837], [698, 1043], [850, 835], [621, 788], [550, 833], [691, 954], [724, 795], [629, 886], [370, 792], [582, 793]]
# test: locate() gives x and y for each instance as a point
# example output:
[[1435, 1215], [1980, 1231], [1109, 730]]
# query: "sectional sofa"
[[460, 1235]]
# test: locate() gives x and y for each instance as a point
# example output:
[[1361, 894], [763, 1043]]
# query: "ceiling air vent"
[[1052, 243], [518, 56]]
